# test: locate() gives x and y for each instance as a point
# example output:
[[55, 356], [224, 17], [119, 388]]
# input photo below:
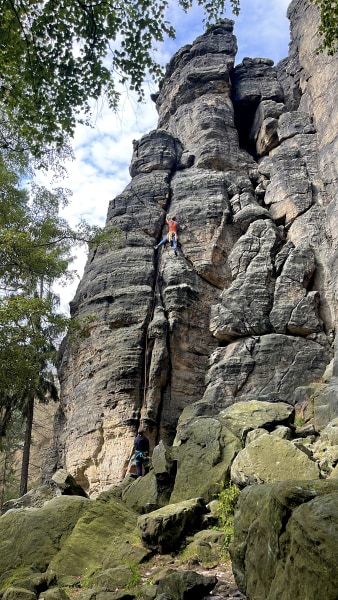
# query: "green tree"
[[35, 252], [29, 328], [11, 444], [57, 55], [328, 27]]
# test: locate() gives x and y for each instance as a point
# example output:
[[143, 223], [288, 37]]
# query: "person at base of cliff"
[[141, 456], [174, 228]]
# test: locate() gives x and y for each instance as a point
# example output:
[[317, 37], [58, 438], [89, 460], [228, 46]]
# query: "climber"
[[171, 237], [141, 456]]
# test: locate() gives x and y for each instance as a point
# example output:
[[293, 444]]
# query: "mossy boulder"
[[268, 458], [205, 548], [205, 450], [286, 540], [242, 417], [54, 594], [164, 529], [105, 536], [35, 498], [185, 584], [142, 495], [27, 578], [16, 593], [116, 578], [32, 537]]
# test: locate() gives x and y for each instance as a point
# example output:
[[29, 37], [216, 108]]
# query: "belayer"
[[171, 237], [141, 456]]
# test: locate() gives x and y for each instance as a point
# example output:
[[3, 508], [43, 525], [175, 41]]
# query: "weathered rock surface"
[[94, 545], [37, 534], [268, 459], [164, 529], [247, 309], [66, 484], [186, 584], [243, 417], [107, 530], [34, 498], [217, 349], [296, 525], [205, 451]]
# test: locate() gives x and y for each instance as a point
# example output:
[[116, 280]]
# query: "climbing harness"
[[142, 457], [172, 238]]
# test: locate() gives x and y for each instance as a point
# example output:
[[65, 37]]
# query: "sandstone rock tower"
[[246, 157]]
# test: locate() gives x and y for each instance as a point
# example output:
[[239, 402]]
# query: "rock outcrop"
[[296, 556], [245, 156], [223, 351], [74, 546]]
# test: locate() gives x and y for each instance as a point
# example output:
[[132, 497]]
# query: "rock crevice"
[[246, 158]]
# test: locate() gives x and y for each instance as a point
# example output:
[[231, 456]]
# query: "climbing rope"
[[150, 320]]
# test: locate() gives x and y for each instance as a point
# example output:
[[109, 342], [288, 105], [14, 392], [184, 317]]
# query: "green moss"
[[202, 552], [299, 421], [87, 580], [135, 578], [11, 577]]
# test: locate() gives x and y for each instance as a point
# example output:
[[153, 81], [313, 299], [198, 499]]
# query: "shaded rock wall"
[[246, 157], [296, 556]]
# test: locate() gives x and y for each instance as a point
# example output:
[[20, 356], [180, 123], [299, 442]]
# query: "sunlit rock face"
[[246, 157]]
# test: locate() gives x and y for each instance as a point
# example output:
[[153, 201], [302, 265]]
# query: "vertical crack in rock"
[[244, 157]]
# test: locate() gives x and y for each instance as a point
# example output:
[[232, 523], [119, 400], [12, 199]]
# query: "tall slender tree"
[[35, 252]]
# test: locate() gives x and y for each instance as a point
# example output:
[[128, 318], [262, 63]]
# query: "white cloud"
[[262, 29], [103, 153]]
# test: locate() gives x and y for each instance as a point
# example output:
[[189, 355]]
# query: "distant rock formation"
[[246, 157]]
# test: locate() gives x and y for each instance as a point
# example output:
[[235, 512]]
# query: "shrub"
[[227, 500]]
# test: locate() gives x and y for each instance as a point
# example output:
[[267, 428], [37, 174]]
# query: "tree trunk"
[[3, 480], [27, 447]]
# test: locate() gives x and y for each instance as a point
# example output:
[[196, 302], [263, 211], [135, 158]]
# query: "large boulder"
[[142, 494], [34, 536], [66, 484], [15, 593], [269, 458], [34, 498], [182, 585], [108, 533], [205, 548], [67, 538], [243, 417], [286, 540], [205, 451], [164, 529]]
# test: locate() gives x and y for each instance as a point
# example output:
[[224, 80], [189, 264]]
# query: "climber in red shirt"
[[174, 228]]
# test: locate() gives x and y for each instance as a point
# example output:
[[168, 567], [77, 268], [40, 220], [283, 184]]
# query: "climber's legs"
[[165, 239]]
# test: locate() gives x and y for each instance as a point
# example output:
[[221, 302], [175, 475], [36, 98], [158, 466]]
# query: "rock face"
[[297, 552], [246, 157]]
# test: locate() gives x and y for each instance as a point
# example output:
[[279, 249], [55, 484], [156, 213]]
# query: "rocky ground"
[[225, 588]]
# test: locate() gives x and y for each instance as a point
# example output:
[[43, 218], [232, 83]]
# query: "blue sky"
[[103, 153]]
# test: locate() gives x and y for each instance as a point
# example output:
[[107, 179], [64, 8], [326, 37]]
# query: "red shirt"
[[173, 226]]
